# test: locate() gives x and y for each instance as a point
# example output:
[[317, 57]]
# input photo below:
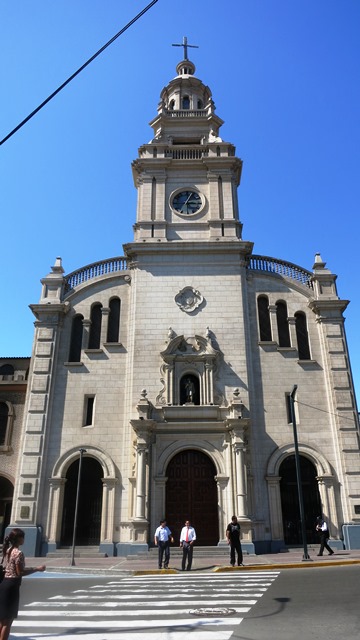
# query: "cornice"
[[153, 247]]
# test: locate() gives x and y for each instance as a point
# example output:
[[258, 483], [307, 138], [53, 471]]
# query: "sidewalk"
[[138, 565]]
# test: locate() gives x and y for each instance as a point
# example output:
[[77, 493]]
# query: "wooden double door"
[[191, 493]]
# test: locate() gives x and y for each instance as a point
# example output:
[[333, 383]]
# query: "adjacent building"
[[13, 385]]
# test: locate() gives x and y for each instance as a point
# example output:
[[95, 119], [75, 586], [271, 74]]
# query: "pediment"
[[192, 346]]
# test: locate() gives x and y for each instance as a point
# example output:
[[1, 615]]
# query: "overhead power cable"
[[129, 24]]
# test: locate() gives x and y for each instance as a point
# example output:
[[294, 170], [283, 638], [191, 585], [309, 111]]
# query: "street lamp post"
[[72, 563], [298, 473]]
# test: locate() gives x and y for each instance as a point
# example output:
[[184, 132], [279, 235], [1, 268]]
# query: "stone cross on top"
[[186, 45]]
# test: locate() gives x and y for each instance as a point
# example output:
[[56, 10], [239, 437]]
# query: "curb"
[[305, 564], [154, 572]]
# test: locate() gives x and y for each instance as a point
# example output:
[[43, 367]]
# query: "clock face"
[[187, 202]]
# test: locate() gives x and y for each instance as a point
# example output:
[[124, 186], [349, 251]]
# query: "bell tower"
[[187, 176]]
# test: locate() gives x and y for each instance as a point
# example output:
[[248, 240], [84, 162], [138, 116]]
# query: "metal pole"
[[298, 474], [72, 563]]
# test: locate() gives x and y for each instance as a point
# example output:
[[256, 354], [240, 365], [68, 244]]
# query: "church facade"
[[163, 381]]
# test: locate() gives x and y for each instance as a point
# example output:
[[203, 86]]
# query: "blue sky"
[[285, 78]]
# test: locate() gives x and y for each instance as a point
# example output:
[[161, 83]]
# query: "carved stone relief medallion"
[[189, 299]]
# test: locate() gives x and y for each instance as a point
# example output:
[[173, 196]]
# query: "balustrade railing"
[[95, 269], [186, 153], [255, 263], [288, 269], [187, 113]]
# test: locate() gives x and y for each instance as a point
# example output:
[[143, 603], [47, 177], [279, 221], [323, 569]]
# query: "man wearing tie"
[[187, 539]]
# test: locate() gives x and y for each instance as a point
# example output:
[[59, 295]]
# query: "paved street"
[[159, 607], [310, 604], [301, 604]]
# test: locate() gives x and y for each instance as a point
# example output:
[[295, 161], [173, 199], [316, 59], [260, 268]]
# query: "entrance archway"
[[191, 493], [6, 496], [90, 503], [290, 500]]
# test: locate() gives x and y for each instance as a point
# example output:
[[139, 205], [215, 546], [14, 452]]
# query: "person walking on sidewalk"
[[233, 538], [13, 561], [187, 539], [162, 539], [323, 531]]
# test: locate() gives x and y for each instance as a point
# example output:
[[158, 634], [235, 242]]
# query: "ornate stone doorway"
[[191, 492], [90, 503], [290, 500]]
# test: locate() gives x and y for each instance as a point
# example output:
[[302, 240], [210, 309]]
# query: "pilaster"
[[49, 313]]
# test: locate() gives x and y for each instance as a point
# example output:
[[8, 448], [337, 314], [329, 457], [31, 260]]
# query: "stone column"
[[292, 330], [273, 323], [241, 502], [222, 482], [170, 398], [159, 501], [160, 203], [86, 331], [237, 435], [327, 496], [143, 429], [108, 508], [213, 181], [141, 452], [105, 312], [56, 500], [209, 384], [277, 532]]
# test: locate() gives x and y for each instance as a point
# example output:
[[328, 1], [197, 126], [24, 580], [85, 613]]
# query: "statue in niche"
[[189, 390]]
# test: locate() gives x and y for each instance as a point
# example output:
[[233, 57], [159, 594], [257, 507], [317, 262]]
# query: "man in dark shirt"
[[233, 538]]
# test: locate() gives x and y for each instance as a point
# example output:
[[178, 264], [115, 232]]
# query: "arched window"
[[114, 320], [282, 323], [200, 104], [264, 319], [6, 372], [302, 336], [172, 105], [186, 102], [76, 339], [5, 424], [95, 327]]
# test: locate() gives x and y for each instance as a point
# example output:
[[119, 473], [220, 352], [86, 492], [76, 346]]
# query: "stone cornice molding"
[[151, 247], [46, 312], [326, 308]]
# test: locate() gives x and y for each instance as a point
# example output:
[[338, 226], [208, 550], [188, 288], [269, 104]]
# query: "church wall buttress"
[[37, 419]]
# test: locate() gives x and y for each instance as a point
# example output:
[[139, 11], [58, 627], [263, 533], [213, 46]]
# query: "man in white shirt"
[[162, 539], [323, 531], [187, 539]]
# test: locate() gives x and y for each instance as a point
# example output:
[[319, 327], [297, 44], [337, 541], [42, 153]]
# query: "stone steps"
[[80, 552], [221, 552]]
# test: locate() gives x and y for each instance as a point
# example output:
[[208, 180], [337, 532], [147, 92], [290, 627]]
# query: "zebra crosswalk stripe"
[[131, 609]]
